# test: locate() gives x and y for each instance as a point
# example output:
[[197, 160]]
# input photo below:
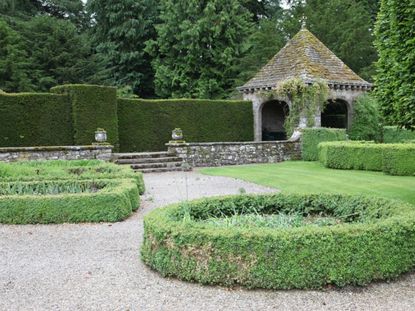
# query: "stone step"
[[148, 160], [141, 155], [156, 165], [160, 170]]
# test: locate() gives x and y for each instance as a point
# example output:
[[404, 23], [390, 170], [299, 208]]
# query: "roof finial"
[[303, 22]]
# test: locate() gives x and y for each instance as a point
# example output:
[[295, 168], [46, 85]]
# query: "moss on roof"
[[305, 57]]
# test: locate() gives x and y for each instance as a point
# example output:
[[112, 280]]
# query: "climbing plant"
[[306, 100]]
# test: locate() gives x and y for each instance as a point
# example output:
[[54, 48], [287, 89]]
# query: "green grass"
[[312, 177]]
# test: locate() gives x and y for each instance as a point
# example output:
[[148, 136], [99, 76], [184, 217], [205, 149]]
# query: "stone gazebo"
[[307, 58]]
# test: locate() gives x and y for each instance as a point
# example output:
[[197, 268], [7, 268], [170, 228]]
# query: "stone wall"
[[235, 153], [100, 152]]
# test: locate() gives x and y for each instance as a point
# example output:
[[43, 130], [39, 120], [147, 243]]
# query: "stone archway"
[[273, 114], [336, 114]]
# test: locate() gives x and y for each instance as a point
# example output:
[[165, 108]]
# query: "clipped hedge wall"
[[393, 134], [93, 107], [376, 241], [311, 137], [114, 202], [35, 119], [68, 170], [146, 125], [394, 159]]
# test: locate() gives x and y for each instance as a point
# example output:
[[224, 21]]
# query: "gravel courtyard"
[[97, 266]]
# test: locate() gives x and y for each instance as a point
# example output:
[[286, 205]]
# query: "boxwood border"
[[114, 202], [305, 257]]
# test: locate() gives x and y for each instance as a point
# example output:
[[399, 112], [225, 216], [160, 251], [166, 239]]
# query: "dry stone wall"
[[235, 153], [99, 152]]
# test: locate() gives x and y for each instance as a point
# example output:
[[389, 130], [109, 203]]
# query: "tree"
[[57, 53], [13, 63], [198, 46], [121, 30], [395, 78]]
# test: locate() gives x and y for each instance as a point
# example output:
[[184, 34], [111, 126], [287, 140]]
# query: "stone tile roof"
[[305, 57]]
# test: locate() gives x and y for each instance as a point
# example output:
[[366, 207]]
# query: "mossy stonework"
[[235, 153], [306, 58], [370, 239]]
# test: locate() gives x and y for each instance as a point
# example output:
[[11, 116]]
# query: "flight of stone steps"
[[150, 162]]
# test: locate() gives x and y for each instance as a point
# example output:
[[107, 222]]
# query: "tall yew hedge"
[[35, 119], [395, 79], [93, 107], [146, 125]]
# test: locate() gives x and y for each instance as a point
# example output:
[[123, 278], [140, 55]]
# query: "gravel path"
[[97, 267]]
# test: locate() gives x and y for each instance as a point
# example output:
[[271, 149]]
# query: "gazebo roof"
[[305, 57]]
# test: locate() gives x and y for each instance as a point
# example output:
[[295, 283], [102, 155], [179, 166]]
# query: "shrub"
[[64, 201], [311, 137], [394, 159], [30, 119], [374, 240], [367, 120], [93, 107], [393, 134], [399, 159], [146, 125], [68, 170]]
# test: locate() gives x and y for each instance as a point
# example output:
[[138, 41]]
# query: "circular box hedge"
[[373, 239]]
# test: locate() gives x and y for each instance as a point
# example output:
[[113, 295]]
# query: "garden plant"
[[282, 241]]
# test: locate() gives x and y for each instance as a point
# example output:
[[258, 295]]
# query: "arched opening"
[[273, 118], [335, 114]]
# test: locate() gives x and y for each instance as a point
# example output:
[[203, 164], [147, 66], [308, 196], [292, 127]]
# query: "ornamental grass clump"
[[282, 241]]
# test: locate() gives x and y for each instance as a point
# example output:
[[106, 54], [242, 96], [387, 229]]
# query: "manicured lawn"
[[309, 177]]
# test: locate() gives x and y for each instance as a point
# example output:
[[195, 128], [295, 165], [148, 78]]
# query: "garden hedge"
[[311, 137], [114, 200], [393, 159], [93, 107], [376, 241], [35, 119], [146, 125], [393, 134], [68, 170]]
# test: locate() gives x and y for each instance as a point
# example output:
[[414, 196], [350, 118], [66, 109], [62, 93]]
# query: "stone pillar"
[[257, 102]]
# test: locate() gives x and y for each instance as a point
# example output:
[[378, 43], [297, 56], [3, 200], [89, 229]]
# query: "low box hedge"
[[311, 137], [67, 201], [393, 159], [374, 241], [66, 170]]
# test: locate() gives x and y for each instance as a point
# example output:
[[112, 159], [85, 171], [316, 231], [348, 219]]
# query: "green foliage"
[[197, 47], [306, 101], [113, 201], [375, 241], [367, 120], [393, 134], [121, 30], [146, 125], [68, 170], [30, 119], [311, 137], [13, 60], [393, 159], [93, 107], [399, 159], [395, 75], [57, 53]]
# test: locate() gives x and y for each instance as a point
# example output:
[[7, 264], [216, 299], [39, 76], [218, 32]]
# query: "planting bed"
[[67, 170], [282, 241], [67, 201]]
